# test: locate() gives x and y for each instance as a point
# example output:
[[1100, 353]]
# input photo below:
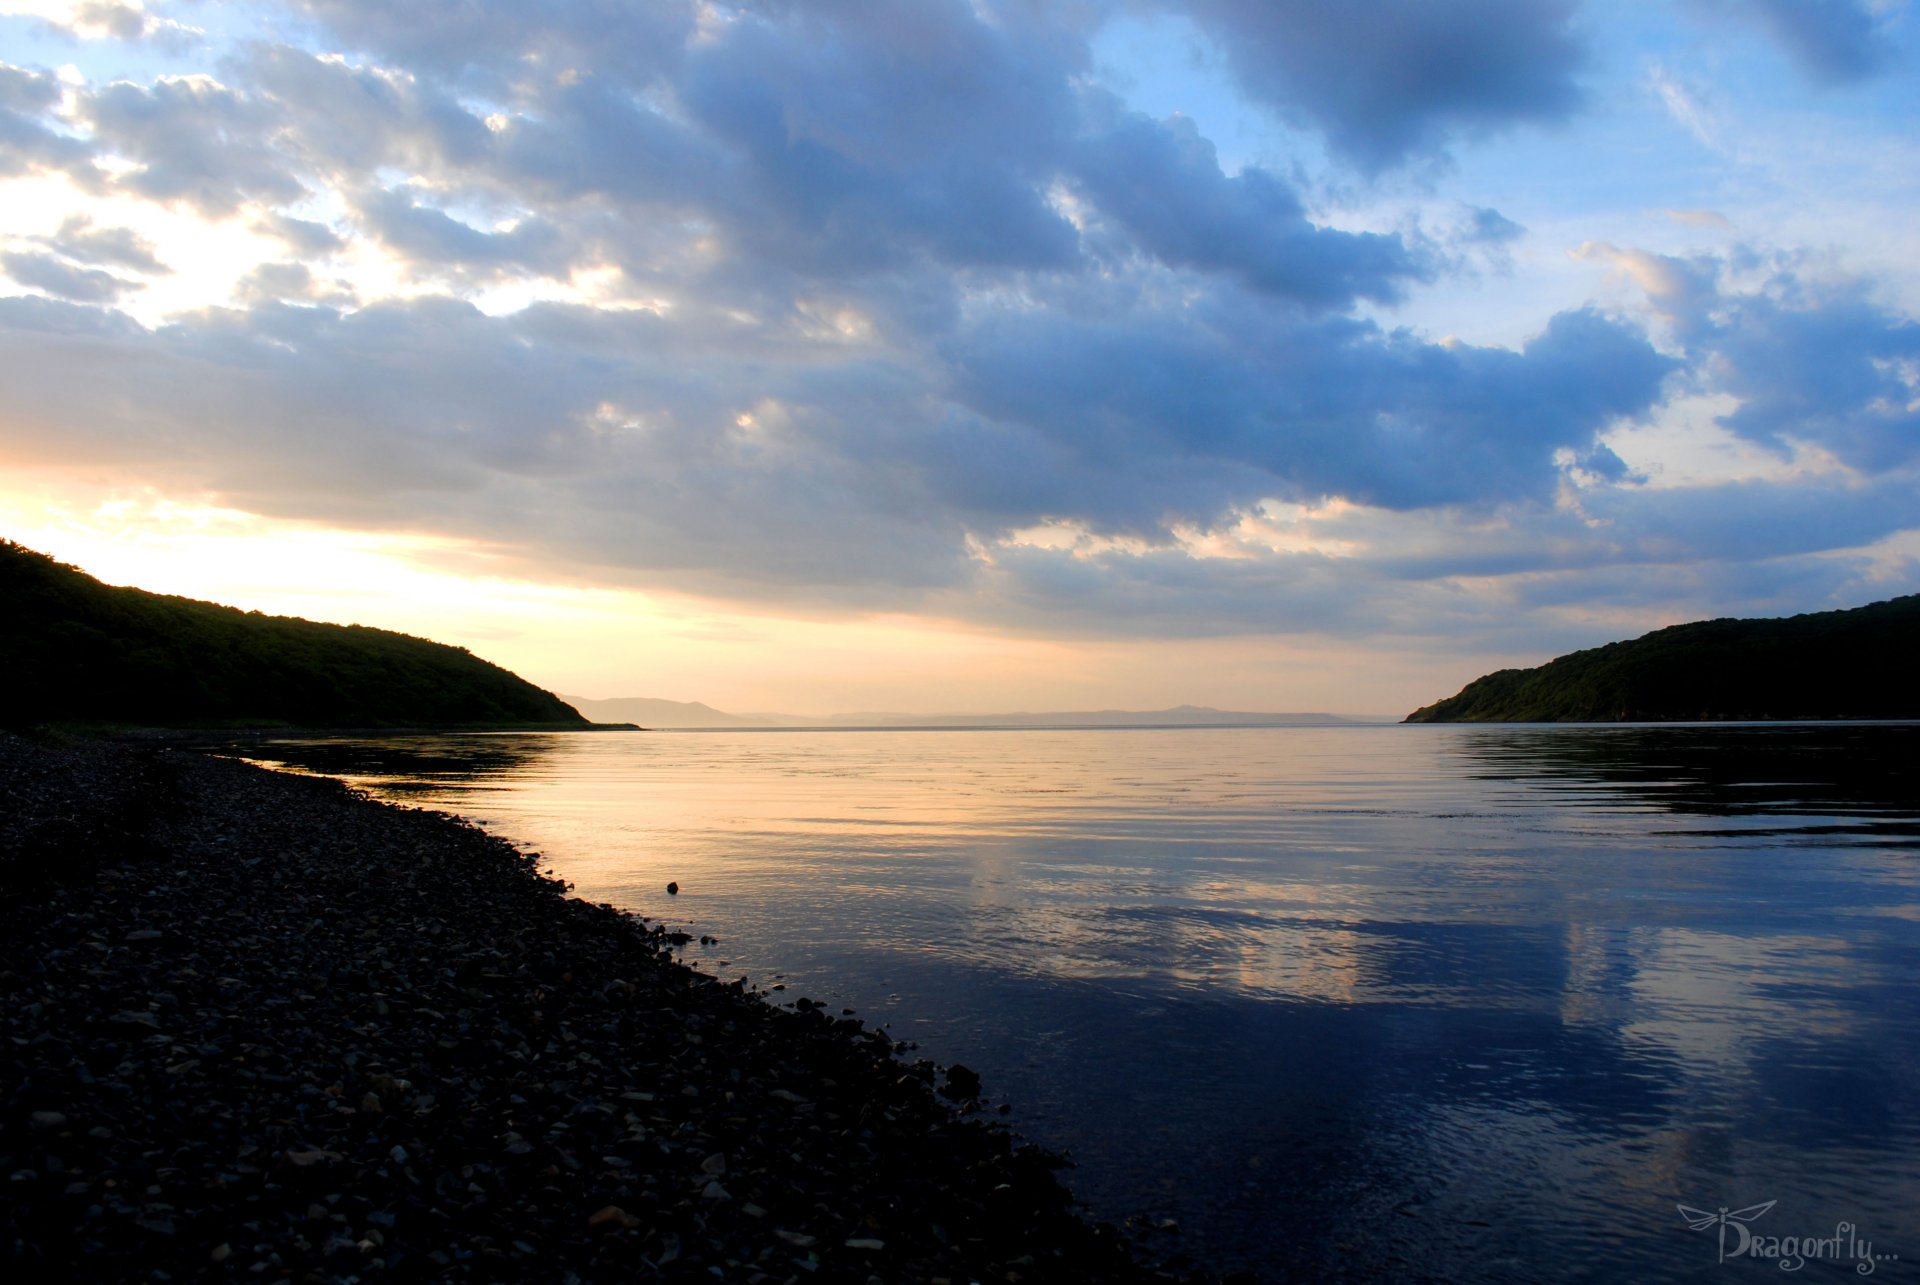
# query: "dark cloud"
[[82, 242], [30, 92], [1161, 181], [26, 144], [1490, 227], [606, 439], [1753, 521], [1398, 78], [1265, 406], [595, 138], [65, 280], [1833, 42], [431, 238], [289, 283], [195, 141], [1832, 369], [496, 45], [1812, 362], [1168, 593], [344, 122], [302, 235], [869, 137]]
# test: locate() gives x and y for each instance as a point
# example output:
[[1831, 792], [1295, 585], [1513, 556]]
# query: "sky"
[[951, 356]]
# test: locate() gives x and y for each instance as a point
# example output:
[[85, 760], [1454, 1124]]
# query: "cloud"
[[272, 283], [1411, 77], [79, 240], [1490, 227], [1161, 181], [1699, 218], [1683, 290], [1499, 580], [122, 20], [585, 435], [1810, 360], [1832, 42], [494, 44], [1258, 405], [109, 17], [26, 144], [1752, 521], [64, 280], [1684, 106], [848, 165], [341, 122], [685, 448], [428, 237], [899, 308], [1825, 366], [302, 235], [192, 140]]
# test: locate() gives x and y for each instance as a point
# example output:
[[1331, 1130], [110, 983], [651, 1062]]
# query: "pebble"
[[612, 1216]]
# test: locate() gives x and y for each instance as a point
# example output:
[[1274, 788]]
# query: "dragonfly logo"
[[1788, 1253], [1702, 1219]]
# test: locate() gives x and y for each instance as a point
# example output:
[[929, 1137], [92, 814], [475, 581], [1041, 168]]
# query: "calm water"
[[1418, 1002]]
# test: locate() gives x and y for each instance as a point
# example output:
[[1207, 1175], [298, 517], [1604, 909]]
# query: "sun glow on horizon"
[[603, 641]]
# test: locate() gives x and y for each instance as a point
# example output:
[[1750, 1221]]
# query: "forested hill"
[[75, 650], [1859, 663]]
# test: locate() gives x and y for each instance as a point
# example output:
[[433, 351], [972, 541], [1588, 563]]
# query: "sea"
[[1349, 1002]]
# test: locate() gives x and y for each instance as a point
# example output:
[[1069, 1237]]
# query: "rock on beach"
[[259, 1027]]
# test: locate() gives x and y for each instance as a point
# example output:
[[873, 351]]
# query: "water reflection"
[[1860, 772], [406, 764], [1350, 1002]]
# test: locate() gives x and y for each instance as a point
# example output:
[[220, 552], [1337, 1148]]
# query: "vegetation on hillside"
[[75, 650], [1858, 663]]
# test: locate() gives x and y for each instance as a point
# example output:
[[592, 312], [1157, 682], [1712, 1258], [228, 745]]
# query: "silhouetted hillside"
[[1830, 664], [75, 650]]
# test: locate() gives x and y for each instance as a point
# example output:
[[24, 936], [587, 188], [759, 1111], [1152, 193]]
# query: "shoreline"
[[263, 1027], [190, 737]]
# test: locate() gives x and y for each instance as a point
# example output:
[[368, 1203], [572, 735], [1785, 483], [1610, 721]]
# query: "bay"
[[1337, 1002]]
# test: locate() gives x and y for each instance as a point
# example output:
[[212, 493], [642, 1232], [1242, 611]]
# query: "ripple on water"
[[1373, 1001]]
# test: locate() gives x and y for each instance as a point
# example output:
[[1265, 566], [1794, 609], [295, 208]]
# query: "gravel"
[[259, 1027]]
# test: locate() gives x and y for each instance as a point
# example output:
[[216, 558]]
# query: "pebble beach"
[[259, 1027]]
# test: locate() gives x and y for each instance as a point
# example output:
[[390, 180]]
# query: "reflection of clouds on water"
[[1712, 996], [1374, 986]]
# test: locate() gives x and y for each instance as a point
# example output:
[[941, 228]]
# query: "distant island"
[[74, 650], [1858, 663], [696, 715]]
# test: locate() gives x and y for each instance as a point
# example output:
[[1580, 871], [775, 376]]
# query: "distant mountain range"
[[651, 712], [648, 712], [1859, 663], [73, 650]]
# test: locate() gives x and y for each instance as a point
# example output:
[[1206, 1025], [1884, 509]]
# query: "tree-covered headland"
[[73, 650], [1859, 663]]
